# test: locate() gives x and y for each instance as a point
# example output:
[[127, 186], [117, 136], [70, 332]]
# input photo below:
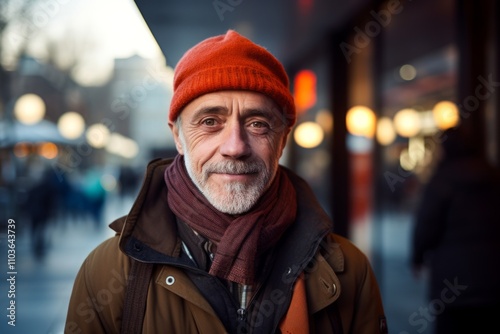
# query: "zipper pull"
[[242, 313]]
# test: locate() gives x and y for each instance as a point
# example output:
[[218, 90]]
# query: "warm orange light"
[[21, 150], [324, 118], [385, 131], [305, 90], [407, 122], [308, 134], [445, 115], [48, 150], [361, 121]]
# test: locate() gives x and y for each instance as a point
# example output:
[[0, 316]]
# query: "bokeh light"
[[324, 118], [407, 122], [407, 72], [308, 134], [71, 125], [445, 115], [122, 146], [305, 90], [97, 135], [48, 150], [360, 121], [22, 150], [29, 109], [385, 131]]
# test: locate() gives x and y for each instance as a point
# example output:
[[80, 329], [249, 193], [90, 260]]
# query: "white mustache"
[[235, 167]]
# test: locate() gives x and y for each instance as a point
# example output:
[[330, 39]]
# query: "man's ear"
[[174, 127]]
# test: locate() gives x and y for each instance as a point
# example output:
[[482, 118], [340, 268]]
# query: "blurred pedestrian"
[[94, 195], [127, 181], [42, 205], [457, 227]]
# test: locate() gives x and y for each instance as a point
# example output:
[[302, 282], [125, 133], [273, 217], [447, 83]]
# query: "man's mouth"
[[231, 176]]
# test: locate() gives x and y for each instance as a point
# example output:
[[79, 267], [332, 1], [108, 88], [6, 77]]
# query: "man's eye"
[[209, 122], [259, 125]]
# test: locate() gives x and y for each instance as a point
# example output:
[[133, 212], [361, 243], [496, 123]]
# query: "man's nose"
[[234, 141]]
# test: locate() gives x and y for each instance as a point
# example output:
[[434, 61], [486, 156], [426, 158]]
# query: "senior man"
[[221, 238]]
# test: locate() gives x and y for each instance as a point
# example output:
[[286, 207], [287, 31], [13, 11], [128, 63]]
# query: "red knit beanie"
[[230, 62]]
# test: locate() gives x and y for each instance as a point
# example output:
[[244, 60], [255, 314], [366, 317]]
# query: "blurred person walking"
[[43, 204], [457, 226], [94, 196], [128, 181]]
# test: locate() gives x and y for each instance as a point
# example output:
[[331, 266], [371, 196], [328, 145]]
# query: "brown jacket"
[[339, 280]]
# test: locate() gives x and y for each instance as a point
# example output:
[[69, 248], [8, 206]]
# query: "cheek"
[[200, 150], [268, 149], [194, 141]]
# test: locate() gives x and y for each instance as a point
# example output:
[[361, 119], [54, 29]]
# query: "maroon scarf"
[[240, 240]]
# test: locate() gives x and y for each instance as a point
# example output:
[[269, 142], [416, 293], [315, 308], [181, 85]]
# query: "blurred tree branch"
[[11, 12]]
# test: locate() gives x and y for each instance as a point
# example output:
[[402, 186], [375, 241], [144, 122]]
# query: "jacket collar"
[[150, 221]]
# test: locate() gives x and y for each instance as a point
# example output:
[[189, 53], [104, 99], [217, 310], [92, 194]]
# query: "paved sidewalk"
[[43, 287], [404, 295]]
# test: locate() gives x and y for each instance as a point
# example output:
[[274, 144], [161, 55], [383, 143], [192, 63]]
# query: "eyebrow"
[[247, 112], [218, 110]]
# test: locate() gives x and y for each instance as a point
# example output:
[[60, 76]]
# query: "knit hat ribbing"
[[230, 62]]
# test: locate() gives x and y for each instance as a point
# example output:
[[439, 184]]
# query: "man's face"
[[231, 142]]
